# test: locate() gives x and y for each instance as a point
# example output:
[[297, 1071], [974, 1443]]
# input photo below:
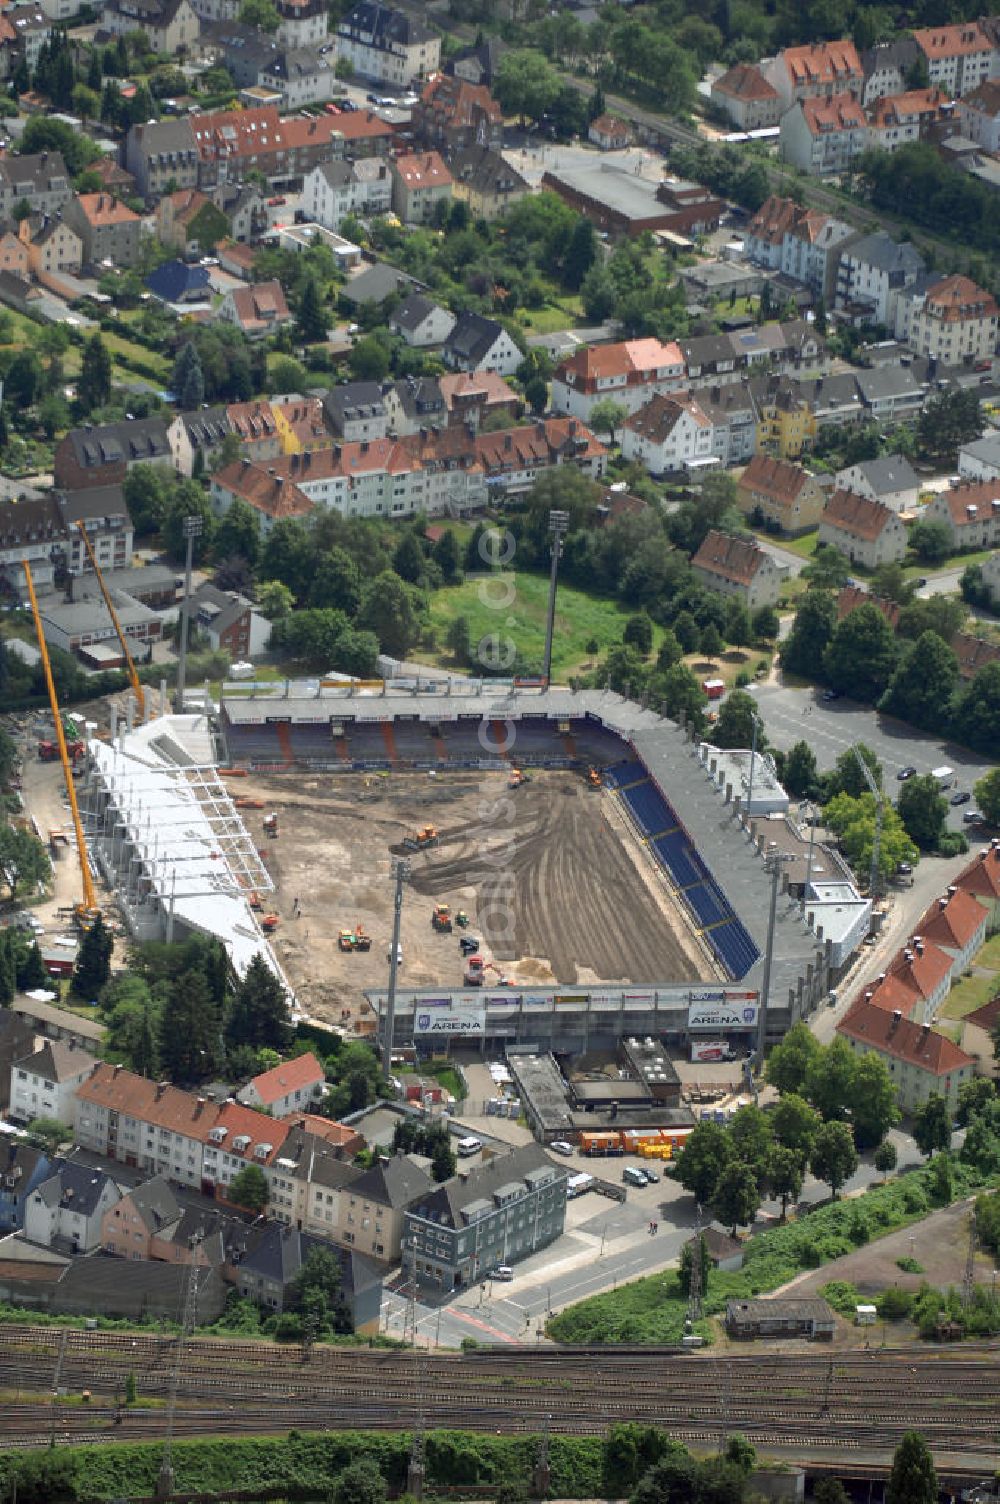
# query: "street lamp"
[[558, 527], [809, 859], [192, 530]]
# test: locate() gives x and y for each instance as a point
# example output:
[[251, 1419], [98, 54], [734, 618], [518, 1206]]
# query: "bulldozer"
[[441, 919], [270, 923], [462, 919], [423, 839], [271, 826], [356, 939], [593, 778]]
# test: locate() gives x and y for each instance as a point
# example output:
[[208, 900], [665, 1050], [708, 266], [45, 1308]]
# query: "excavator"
[[422, 840], [134, 680], [441, 918], [86, 913]]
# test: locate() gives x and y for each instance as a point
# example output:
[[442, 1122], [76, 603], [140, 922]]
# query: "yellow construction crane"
[[87, 911], [137, 689]]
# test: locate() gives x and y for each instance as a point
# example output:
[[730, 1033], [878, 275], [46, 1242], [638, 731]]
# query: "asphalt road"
[[791, 715]]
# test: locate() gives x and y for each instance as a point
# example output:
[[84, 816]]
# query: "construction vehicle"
[[271, 826], [517, 777], [468, 945], [593, 778], [48, 751], [423, 839], [86, 911], [462, 919], [474, 969], [270, 923], [356, 939], [345, 940], [133, 675], [441, 919], [253, 899]]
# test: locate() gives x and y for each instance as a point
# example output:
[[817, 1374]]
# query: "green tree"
[[336, 582], [885, 1157], [188, 500], [785, 1172], [976, 717], [803, 650], [912, 1479], [736, 1196], [8, 969], [260, 13], [93, 960], [190, 1029], [238, 533], [638, 633], [830, 1082], [31, 972], [765, 623], [443, 1160], [259, 1013], [607, 416], [188, 380], [861, 654], [987, 792], [735, 726], [274, 599], [312, 321], [707, 1152], [930, 541], [93, 387], [392, 610], [923, 811], [459, 639], [24, 863], [146, 490], [369, 359], [669, 652], [581, 254], [948, 420], [686, 631], [249, 1189], [932, 1125], [359, 1483], [829, 570], [834, 1158], [752, 1138], [801, 772], [848, 777], [853, 822], [974, 1097], [447, 556], [790, 1062], [687, 1264], [794, 1122], [525, 84], [48, 1134], [711, 647], [408, 560], [923, 683], [872, 1102]]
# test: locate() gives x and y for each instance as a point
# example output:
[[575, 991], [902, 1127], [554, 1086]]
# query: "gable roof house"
[[478, 64], [43, 1084], [372, 1208], [172, 26], [189, 221], [420, 322], [873, 271], [229, 621], [971, 513], [896, 119], [982, 878], [356, 411], [66, 1211], [486, 181], [148, 1211], [201, 432], [51, 244], [257, 310], [890, 479], [958, 57], [886, 68], [108, 229], [818, 70], [177, 283], [102, 456], [299, 75], [272, 497], [41, 180], [823, 136], [17, 1039], [292, 1086], [919, 1060], [420, 184], [334, 190], [735, 565], [865, 531], [750, 101], [22, 1169], [916, 981], [480, 344], [609, 133], [629, 373], [671, 434], [977, 115], [453, 113], [780, 495], [387, 44], [957, 923]]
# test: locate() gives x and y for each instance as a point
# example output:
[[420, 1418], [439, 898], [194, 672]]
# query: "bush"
[[841, 1295], [909, 1266], [952, 843], [894, 1304]]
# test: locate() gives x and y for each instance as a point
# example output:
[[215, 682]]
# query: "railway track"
[[827, 1403]]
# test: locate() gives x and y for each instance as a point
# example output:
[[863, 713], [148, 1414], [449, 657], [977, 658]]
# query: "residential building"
[[478, 64], [22, 1170], [865, 531], [731, 412], [982, 878], [108, 229], [386, 45], [823, 136], [356, 411], [200, 433], [775, 493], [172, 26], [41, 181], [245, 209], [973, 653], [51, 244], [820, 70], [66, 1211], [977, 115], [299, 75], [44, 1083], [14, 253], [309, 1177], [471, 396], [919, 1061], [891, 394], [497, 1214], [486, 182], [480, 344], [181, 284], [948, 319], [161, 156], [165, 1131], [747, 98], [980, 459], [421, 184], [102, 455], [897, 119], [30, 27], [735, 565], [373, 1207], [420, 322], [670, 434], [146, 1212], [258, 310], [786, 420], [293, 1086], [958, 57], [971, 513], [414, 403], [798, 242], [190, 222], [628, 374], [230, 622], [266, 1262], [873, 273], [991, 577], [916, 983], [609, 133], [378, 282], [31, 529], [17, 1041], [302, 23], [454, 114], [513, 459], [957, 924], [888, 68], [272, 497], [334, 190], [891, 480]]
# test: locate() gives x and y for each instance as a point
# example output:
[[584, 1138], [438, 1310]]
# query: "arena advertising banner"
[[435, 1015], [718, 1008]]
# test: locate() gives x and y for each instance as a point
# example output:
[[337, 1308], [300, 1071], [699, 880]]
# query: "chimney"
[[952, 890], [920, 947], [161, 1087]]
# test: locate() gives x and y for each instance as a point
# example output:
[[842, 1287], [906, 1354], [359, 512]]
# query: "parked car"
[[962, 797], [504, 1272], [972, 816], [560, 1146], [905, 773], [831, 694]]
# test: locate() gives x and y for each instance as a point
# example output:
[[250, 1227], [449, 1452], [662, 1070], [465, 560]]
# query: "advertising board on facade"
[[722, 1010], [435, 1016]]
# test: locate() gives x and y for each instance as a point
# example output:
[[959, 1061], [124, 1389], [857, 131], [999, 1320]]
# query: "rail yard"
[[815, 1404]]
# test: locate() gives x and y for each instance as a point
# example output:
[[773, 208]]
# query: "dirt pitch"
[[580, 899]]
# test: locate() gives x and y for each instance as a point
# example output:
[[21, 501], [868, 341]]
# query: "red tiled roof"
[[290, 1075], [914, 975], [856, 515], [536, 443], [261, 305], [960, 40], [840, 113], [984, 99], [953, 921], [456, 103], [273, 495], [732, 557], [970, 504], [459, 387], [658, 419], [779, 480], [973, 653], [850, 597], [823, 63], [105, 209], [956, 298], [982, 876], [610, 125], [893, 108], [631, 357], [338, 1135], [423, 169], [911, 1043], [744, 81]]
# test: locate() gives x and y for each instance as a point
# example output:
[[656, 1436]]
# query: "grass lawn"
[[969, 994], [805, 546], [513, 608], [157, 366], [729, 664], [547, 320]]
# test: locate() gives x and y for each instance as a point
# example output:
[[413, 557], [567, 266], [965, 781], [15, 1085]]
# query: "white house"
[[628, 373], [971, 513], [67, 1210], [818, 70], [977, 116], [874, 271], [891, 480], [44, 1085], [335, 189], [671, 433], [293, 1086], [958, 57], [735, 565], [421, 323], [991, 577], [823, 136], [386, 45], [949, 319], [479, 344], [867, 532]]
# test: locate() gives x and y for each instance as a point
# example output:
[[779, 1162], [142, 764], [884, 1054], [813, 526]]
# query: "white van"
[[943, 776], [467, 1146]]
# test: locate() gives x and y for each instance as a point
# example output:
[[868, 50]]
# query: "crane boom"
[[137, 689], [88, 910]]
